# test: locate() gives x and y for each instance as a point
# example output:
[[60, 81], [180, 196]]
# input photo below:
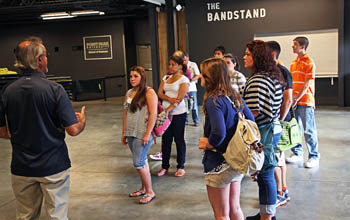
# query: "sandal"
[[146, 199], [179, 172], [162, 172], [137, 193]]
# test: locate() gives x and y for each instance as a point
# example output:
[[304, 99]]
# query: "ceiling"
[[29, 11]]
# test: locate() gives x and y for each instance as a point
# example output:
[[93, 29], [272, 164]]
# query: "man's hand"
[[81, 115], [78, 127]]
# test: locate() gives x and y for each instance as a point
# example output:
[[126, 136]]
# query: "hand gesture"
[[81, 115]]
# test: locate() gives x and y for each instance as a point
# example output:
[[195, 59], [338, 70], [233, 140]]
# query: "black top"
[[37, 111], [287, 76]]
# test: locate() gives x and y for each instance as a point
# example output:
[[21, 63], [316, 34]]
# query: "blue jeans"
[[139, 151], [266, 179], [176, 131], [267, 192], [306, 119], [195, 117]]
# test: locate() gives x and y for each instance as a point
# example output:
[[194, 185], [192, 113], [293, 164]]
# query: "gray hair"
[[27, 55]]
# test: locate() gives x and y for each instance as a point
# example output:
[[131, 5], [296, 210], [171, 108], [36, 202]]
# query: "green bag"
[[291, 134]]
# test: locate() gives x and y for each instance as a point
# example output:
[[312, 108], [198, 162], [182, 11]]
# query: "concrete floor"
[[102, 175]]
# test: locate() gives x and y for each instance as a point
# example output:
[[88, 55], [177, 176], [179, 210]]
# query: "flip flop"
[[162, 172], [179, 173], [137, 193], [147, 201]]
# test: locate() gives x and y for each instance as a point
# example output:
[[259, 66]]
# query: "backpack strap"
[[239, 112]]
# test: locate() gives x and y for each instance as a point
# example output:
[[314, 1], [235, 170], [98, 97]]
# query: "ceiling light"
[[87, 12], [54, 14], [62, 15], [157, 2], [57, 17]]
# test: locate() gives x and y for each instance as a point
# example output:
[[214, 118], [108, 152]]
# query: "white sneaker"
[[156, 156], [312, 162], [294, 158]]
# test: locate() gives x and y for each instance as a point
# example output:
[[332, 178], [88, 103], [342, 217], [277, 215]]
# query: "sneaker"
[[286, 195], [312, 162], [281, 200], [156, 156], [257, 217], [294, 159]]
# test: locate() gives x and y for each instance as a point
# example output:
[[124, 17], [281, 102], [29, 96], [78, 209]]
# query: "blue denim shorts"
[[139, 151]]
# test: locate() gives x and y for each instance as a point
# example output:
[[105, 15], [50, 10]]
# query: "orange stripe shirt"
[[301, 69]]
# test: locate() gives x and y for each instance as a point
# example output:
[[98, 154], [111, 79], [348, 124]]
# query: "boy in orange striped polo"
[[303, 73]]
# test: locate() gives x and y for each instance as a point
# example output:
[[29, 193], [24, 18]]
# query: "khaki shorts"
[[280, 158], [223, 178]]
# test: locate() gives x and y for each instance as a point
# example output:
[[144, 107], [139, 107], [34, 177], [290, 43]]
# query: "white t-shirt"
[[192, 66], [172, 90]]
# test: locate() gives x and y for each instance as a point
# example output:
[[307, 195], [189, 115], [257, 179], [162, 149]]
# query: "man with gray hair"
[[35, 113]]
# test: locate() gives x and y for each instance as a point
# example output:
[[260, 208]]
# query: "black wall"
[[64, 61], [281, 16], [136, 33]]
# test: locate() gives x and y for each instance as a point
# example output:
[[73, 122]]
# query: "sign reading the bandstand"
[[98, 47], [216, 13]]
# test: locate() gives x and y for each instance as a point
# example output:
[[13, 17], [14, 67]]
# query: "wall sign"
[[215, 13], [98, 47]]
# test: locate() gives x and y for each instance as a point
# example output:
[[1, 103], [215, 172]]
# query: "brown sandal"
[[162, 172], [137, 193], [146, 199], [179, 172]]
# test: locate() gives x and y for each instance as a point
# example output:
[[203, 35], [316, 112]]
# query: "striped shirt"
[[301, 69], [238, 80], [263, 94]]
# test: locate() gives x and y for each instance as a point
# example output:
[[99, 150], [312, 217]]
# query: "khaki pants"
[[42, 195]]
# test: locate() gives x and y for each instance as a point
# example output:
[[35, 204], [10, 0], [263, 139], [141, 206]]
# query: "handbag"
[[244, 151], [291, 134], [162, 121]]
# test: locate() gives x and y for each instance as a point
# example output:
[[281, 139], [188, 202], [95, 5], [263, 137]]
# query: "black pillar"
[[344, 80], [153, 26], [169, 8]]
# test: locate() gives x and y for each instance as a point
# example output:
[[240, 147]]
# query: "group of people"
[[267, 97], [35, 114]]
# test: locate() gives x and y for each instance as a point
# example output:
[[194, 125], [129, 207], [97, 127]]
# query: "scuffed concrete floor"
[[102, 174]]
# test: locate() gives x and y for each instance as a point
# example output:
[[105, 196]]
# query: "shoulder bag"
[[291, 134], [244, 151]]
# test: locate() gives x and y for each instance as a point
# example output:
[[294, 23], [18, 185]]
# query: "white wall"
[[323, 49]]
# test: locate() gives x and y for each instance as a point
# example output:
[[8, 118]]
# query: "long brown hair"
[[217, 81], [139, 99], [264, 62]]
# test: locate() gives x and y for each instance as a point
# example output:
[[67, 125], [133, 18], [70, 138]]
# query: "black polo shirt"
[[37, 111]]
